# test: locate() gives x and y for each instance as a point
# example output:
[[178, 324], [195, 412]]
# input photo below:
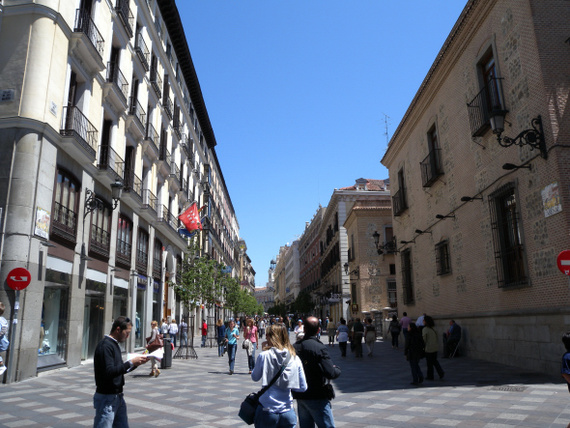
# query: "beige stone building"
[[478, 239], [371, 267], [95, 97]]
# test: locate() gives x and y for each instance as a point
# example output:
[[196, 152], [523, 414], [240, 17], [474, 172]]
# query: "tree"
[[303, 304]]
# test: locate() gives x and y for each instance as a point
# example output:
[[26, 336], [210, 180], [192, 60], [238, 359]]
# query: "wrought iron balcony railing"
[[100, 240], [64, 222], [125, 16], [115, 76], [156, 82], [110, 160], [167, 104], [137, 111], [149, 200], [84, 24], [142, 51], [75, 124], [490, 98], [399, 204], [431, 167]]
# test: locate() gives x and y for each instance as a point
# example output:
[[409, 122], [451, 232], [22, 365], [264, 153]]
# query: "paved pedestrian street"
[[371, 392]]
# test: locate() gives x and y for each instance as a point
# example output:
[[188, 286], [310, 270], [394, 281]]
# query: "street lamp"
[[388, 247], [533, 137]]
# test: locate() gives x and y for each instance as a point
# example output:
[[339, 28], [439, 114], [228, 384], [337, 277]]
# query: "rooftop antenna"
[[386, 117]]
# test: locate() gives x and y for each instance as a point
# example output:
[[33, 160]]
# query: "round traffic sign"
[[18, 278], [563, 262]]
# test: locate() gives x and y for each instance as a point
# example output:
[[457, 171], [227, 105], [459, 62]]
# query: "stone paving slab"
[[372, 392]]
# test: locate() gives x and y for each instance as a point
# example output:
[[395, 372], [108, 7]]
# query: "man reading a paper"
[[108, 401]]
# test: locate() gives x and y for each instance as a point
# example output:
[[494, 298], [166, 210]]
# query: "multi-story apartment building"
[[292, 284], [371, 266], [309, 256], [264, 296], [98, 97], [481, 210], [334, 291]]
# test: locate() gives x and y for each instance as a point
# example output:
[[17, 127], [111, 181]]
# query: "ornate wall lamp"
[[347, 270], [533, 137], [93, 203], [388, 247]]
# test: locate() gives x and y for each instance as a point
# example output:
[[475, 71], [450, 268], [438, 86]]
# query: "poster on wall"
[[42, 223], [551, 199]]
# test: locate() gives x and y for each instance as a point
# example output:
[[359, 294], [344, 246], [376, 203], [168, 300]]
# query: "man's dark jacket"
[[109, 367], [318, 368]]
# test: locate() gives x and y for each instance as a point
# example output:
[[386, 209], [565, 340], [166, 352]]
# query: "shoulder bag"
[[155, 344], [249, 406]]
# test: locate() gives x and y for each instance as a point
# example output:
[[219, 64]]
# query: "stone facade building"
[[479, 238], [310, 257], [97, 95]]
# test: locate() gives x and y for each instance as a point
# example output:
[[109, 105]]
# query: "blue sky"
[[297, 92]]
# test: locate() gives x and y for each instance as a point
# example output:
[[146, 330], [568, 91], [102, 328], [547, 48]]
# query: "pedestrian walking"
[[221, 337], [404, 323], [342, 336], [262, 325], [395, 329], [109, 368], [173, 330], [4, 342], [164, 327], [357, 335], [413, 351], [369, 336], [183, 327], [154, 371], [276, 404], [431, 345], [566, 360], [204, 333], [250, 333], [232, 336], [331, 330], [314, 405]]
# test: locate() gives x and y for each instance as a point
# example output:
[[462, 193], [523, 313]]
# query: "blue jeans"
[[183, 339], [313, 412], [264, 419], [232, 355], [203, 345], [251, 358], [110, 411], [221, 344]]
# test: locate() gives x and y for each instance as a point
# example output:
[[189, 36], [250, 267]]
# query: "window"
[[157, 260], [65, 198], [399, 203], [442, 260], [392, 269], [431, 165], [142, 251], [392, 293], [489, 98], [100, 232], [505, 223], [407, 281], [124, 237]]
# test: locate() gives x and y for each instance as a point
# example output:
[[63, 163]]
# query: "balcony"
[[133, 186], [399, 204], [157, 268], [431, 167], [156, 82], [149, 200], [64, 223], [150, 146], [81, 133], [167, 217], [490, 98], [116, 90], [86, 42], [142, 51], [168, 106], [137, 112], [125, 16], [142, 262], [99, 242], [123, 254], [111, 162], [164, 156], [174, 175]]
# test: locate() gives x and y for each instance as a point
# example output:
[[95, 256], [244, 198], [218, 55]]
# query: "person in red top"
[[204, 333]]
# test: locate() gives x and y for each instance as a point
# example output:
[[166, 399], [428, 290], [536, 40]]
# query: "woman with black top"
[[414, 351]]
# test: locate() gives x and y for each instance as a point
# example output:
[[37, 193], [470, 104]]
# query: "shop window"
[[507, 240], [65, 203]]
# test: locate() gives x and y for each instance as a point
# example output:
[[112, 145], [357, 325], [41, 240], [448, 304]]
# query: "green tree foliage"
[[303, 304]]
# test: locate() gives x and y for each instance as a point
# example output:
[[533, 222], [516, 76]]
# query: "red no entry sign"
[[18, 279], [563, 262]]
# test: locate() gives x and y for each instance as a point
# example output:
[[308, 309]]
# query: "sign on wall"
[[42, 223], [551, 199]]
